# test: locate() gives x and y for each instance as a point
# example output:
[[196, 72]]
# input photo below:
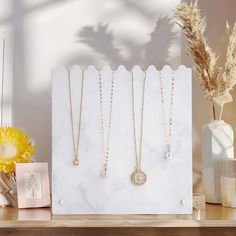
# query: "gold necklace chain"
[[76, 145], [168, 123], [138, 177], [106, 149]]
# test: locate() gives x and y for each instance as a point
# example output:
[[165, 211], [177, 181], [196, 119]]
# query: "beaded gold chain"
[[168, 121], [106, 148]]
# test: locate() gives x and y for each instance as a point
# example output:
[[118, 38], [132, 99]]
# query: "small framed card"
[[32, 182]]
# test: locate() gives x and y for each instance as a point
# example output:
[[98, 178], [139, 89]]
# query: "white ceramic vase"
[[217, 144]]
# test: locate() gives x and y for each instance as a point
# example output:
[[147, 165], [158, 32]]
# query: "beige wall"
[[53, 32]]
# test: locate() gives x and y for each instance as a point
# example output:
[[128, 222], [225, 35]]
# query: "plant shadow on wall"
[[30, 110], [101, 40]]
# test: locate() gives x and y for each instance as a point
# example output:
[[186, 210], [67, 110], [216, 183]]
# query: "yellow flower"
[[15, 147]]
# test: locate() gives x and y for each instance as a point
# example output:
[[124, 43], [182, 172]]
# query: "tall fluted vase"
[[217, 144]]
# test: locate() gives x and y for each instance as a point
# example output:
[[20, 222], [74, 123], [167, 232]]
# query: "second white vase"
[[217, 144]]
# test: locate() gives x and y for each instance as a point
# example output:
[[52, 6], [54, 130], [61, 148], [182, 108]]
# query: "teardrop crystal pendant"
[[76, 162], [169, 155]]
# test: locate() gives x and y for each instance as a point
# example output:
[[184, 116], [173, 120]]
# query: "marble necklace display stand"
[[82, 190]]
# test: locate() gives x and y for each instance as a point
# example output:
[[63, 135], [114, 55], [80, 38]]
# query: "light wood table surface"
[[213, 216]]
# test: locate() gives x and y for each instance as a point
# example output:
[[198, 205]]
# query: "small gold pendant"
[[76, 162], [138, 177]]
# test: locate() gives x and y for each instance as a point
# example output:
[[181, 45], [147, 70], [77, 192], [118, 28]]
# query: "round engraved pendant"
[[76, 162], [138, 177], [169, 155]]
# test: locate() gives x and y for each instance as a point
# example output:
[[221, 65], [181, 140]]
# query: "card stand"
[[82, 189]]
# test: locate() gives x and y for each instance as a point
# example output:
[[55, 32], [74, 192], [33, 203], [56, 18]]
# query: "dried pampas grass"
[[228, 79], [216, 84]]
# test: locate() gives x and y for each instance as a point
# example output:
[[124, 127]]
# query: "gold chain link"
[[107, 148], [168, 125], [138, 157], [76, 145]]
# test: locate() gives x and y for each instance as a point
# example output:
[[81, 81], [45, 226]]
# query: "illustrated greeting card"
[[32, 185]]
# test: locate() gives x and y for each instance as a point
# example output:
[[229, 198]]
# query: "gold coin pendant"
[[138, 177]]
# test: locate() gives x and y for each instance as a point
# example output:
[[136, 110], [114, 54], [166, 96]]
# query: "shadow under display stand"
[[81, 189]]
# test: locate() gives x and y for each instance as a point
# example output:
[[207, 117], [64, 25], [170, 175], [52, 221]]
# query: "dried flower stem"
[[221, 112], [216, 84], [213, 110]]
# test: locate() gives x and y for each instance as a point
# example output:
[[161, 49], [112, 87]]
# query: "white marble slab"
[[82, 190]]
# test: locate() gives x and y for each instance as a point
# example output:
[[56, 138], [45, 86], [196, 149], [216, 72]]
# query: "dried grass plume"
[[216, 84]]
